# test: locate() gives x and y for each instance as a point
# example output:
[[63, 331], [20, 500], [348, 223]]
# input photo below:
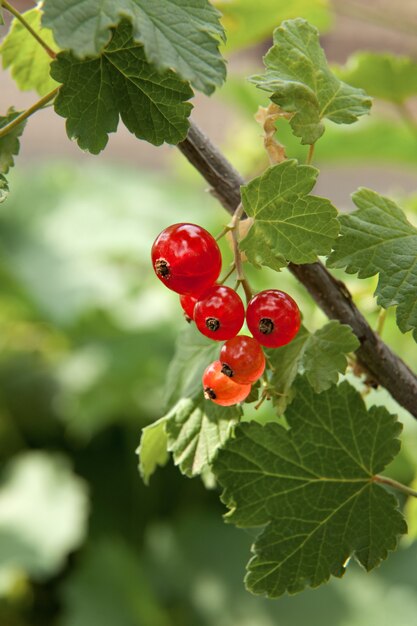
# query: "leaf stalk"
[[23, 116], [28, 27], [384, 480]]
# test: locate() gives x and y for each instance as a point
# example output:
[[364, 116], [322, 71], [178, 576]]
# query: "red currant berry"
[[186, 258], [220, 388], [188, 303], [242, 359], [219, 313], [273, 318]]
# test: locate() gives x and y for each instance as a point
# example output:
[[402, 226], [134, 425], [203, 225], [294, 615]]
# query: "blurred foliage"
[[385, 76], [86, 336], [247, 22]]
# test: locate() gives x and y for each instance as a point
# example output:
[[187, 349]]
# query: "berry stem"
[[381, 321], [384, 480], [240, 274], [35, 107], [310, 153], [229, 273], [28, 27]]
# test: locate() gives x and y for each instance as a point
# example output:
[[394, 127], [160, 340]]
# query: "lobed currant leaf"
[[321, 356], [182, 35], [9, 144], [311, 489], [196, 429], [385, 76], [152, 449], [324, 354], [378, 239], [300, 82], [286, 363], [27, 60], [289, 224], [4, 188], [120, 82]]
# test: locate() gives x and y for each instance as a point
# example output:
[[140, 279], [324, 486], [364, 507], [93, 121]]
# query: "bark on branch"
[[384, 367]]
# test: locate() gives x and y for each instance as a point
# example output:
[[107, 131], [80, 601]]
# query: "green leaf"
[[286, 363], [247, 22], [152, 450], [182, 35], [196, 429], [9, 144], [299, 79], [4, 188], [289, 225], [378, 239], [27, 60], [1, 16], [321, 356], [324, 355], [385, 76], [311, 488], [120, 82], [193, 354], [43, 514]]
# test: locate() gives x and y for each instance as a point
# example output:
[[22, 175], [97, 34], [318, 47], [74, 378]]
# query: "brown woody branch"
[[384, 367]]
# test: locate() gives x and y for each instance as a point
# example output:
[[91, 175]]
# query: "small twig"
[[310, 153], [262, 399], [269, 362], [229, 273], [384, 480], [23, 116], [223, 232], [407, 117], [28, 27], [381, 321], [240, 274]]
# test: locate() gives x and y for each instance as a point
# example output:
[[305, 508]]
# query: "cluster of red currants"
[[187, 259]]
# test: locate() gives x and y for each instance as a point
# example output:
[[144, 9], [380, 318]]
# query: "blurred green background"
[[86, 337]]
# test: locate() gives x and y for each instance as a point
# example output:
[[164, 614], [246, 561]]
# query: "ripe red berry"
[[242, 359], [186, 258], [219, 313], [220, 388], [273, 318], [188, 303]]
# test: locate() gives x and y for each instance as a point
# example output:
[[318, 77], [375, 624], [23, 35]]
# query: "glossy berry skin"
[[219, 313], [221, 389], [188, 303], [273, 318], [242, 359], [186, 258]]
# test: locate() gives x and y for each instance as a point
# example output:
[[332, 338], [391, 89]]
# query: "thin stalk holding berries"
[[23, 116], [310, 154], [241, 278], [28, 27]]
